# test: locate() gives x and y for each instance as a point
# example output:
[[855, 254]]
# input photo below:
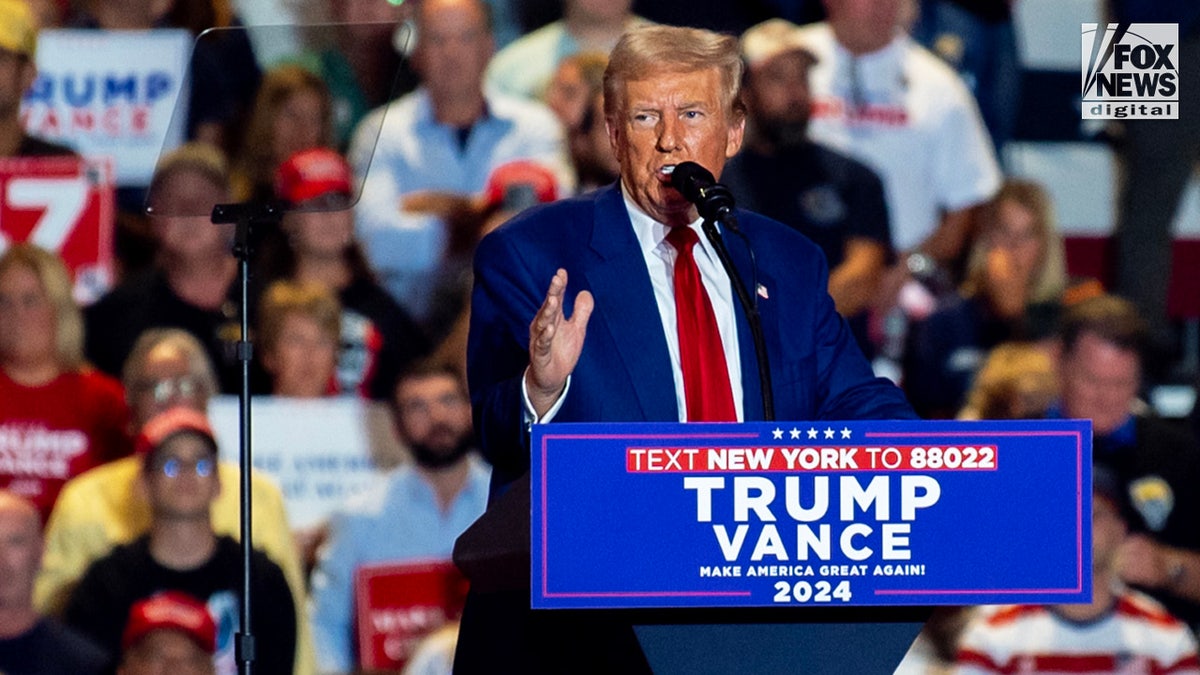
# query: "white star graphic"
[[828, 432], [777, 433], [845, 432], [795, 433], [812, 433]]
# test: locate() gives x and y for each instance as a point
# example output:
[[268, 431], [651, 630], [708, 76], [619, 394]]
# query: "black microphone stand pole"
[[245, 217], [749, 305]]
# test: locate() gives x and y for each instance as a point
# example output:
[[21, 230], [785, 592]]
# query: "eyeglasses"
[[172, 467], [167, 389], [422, 406]]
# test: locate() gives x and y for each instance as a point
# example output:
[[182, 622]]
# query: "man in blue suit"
[[610, 350]]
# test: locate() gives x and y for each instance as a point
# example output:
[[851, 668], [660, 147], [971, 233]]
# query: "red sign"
[[65, 205], [397, 605]]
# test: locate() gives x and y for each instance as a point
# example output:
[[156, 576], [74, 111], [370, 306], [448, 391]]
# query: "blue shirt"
[[396, 520], [407, 150]]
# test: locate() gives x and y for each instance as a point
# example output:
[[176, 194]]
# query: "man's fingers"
[[584, 304]]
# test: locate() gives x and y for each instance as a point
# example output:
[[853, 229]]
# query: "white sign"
[[317, 450], [111, 93]]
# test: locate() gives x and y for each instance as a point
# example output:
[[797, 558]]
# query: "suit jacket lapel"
[[625, 301]]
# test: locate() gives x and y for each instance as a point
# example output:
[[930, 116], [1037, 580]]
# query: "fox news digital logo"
[[1130, 71]]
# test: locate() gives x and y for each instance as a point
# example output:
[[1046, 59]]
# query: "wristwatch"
[[920, 265]]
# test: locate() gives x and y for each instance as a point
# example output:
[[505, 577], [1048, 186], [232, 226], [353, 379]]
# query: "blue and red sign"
[[805, 513]]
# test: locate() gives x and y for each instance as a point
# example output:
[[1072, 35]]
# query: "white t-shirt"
[[915, 124]]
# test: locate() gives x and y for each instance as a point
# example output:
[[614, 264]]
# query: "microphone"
[[713, 200]]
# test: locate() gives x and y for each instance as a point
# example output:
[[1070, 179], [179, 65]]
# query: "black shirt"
[[826, 196], [99, 606], [147, 301], [50, 648]]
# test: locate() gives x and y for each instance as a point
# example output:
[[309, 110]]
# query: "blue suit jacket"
[[624, 372]]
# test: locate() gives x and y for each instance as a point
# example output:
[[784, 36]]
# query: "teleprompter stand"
[[246, 217]]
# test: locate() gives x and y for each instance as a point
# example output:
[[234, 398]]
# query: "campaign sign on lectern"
[[810, 514]]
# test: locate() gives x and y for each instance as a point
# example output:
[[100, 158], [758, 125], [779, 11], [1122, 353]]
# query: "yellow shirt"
[[107, 506]]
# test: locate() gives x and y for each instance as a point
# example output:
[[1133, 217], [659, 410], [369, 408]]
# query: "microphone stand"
[[748, 302], [245, 217]]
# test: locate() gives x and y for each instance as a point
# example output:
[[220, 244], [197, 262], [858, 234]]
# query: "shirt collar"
[[425, 116], [1123, 436], [651, 234]]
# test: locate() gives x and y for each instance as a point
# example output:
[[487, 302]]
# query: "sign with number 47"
[[64, 205]]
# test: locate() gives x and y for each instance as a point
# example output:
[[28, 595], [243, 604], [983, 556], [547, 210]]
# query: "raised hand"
[[555, 343]]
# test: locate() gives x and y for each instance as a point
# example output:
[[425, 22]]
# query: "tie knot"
[[683, 238]]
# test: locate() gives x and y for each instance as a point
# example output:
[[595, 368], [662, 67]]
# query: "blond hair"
[[199, 365], [55, 280], [1050, 281], [1017, 380], [284, 298], [673, 49], [198, 157]]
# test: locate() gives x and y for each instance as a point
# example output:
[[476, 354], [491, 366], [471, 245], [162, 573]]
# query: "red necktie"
[[701, 356]]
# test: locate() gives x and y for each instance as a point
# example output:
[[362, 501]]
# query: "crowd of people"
[[865, 129]]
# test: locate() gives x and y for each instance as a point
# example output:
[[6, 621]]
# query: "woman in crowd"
[[192, 284], [1016, 275], [292, 112], [58, 416], [576, 96], [299, 333], [378, 338], [1017, 381]]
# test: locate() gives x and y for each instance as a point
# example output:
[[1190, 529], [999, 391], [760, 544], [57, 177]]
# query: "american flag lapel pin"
[[762, 292]]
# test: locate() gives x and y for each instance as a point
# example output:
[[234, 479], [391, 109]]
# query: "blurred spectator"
[[378, 338], [1120, 631], [576, 96], [977, 38], [437, 147], [833, 200], [58, 416], [1017, 381], [888, 102], [223, 70], [1157, 464], [292, 112], [1157, 159], [575, 82], [417, 512], [299, 333], [181, 552], [29, 642], [192, 283], [107, 506], [525, 67], [1015, 279], [360, 60], [168, 632], [18, 46], [512, 188]]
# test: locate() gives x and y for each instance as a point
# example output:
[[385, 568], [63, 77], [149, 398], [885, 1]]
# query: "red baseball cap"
[[507, 177], [171, 610], [313, 173], [166, 424]]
